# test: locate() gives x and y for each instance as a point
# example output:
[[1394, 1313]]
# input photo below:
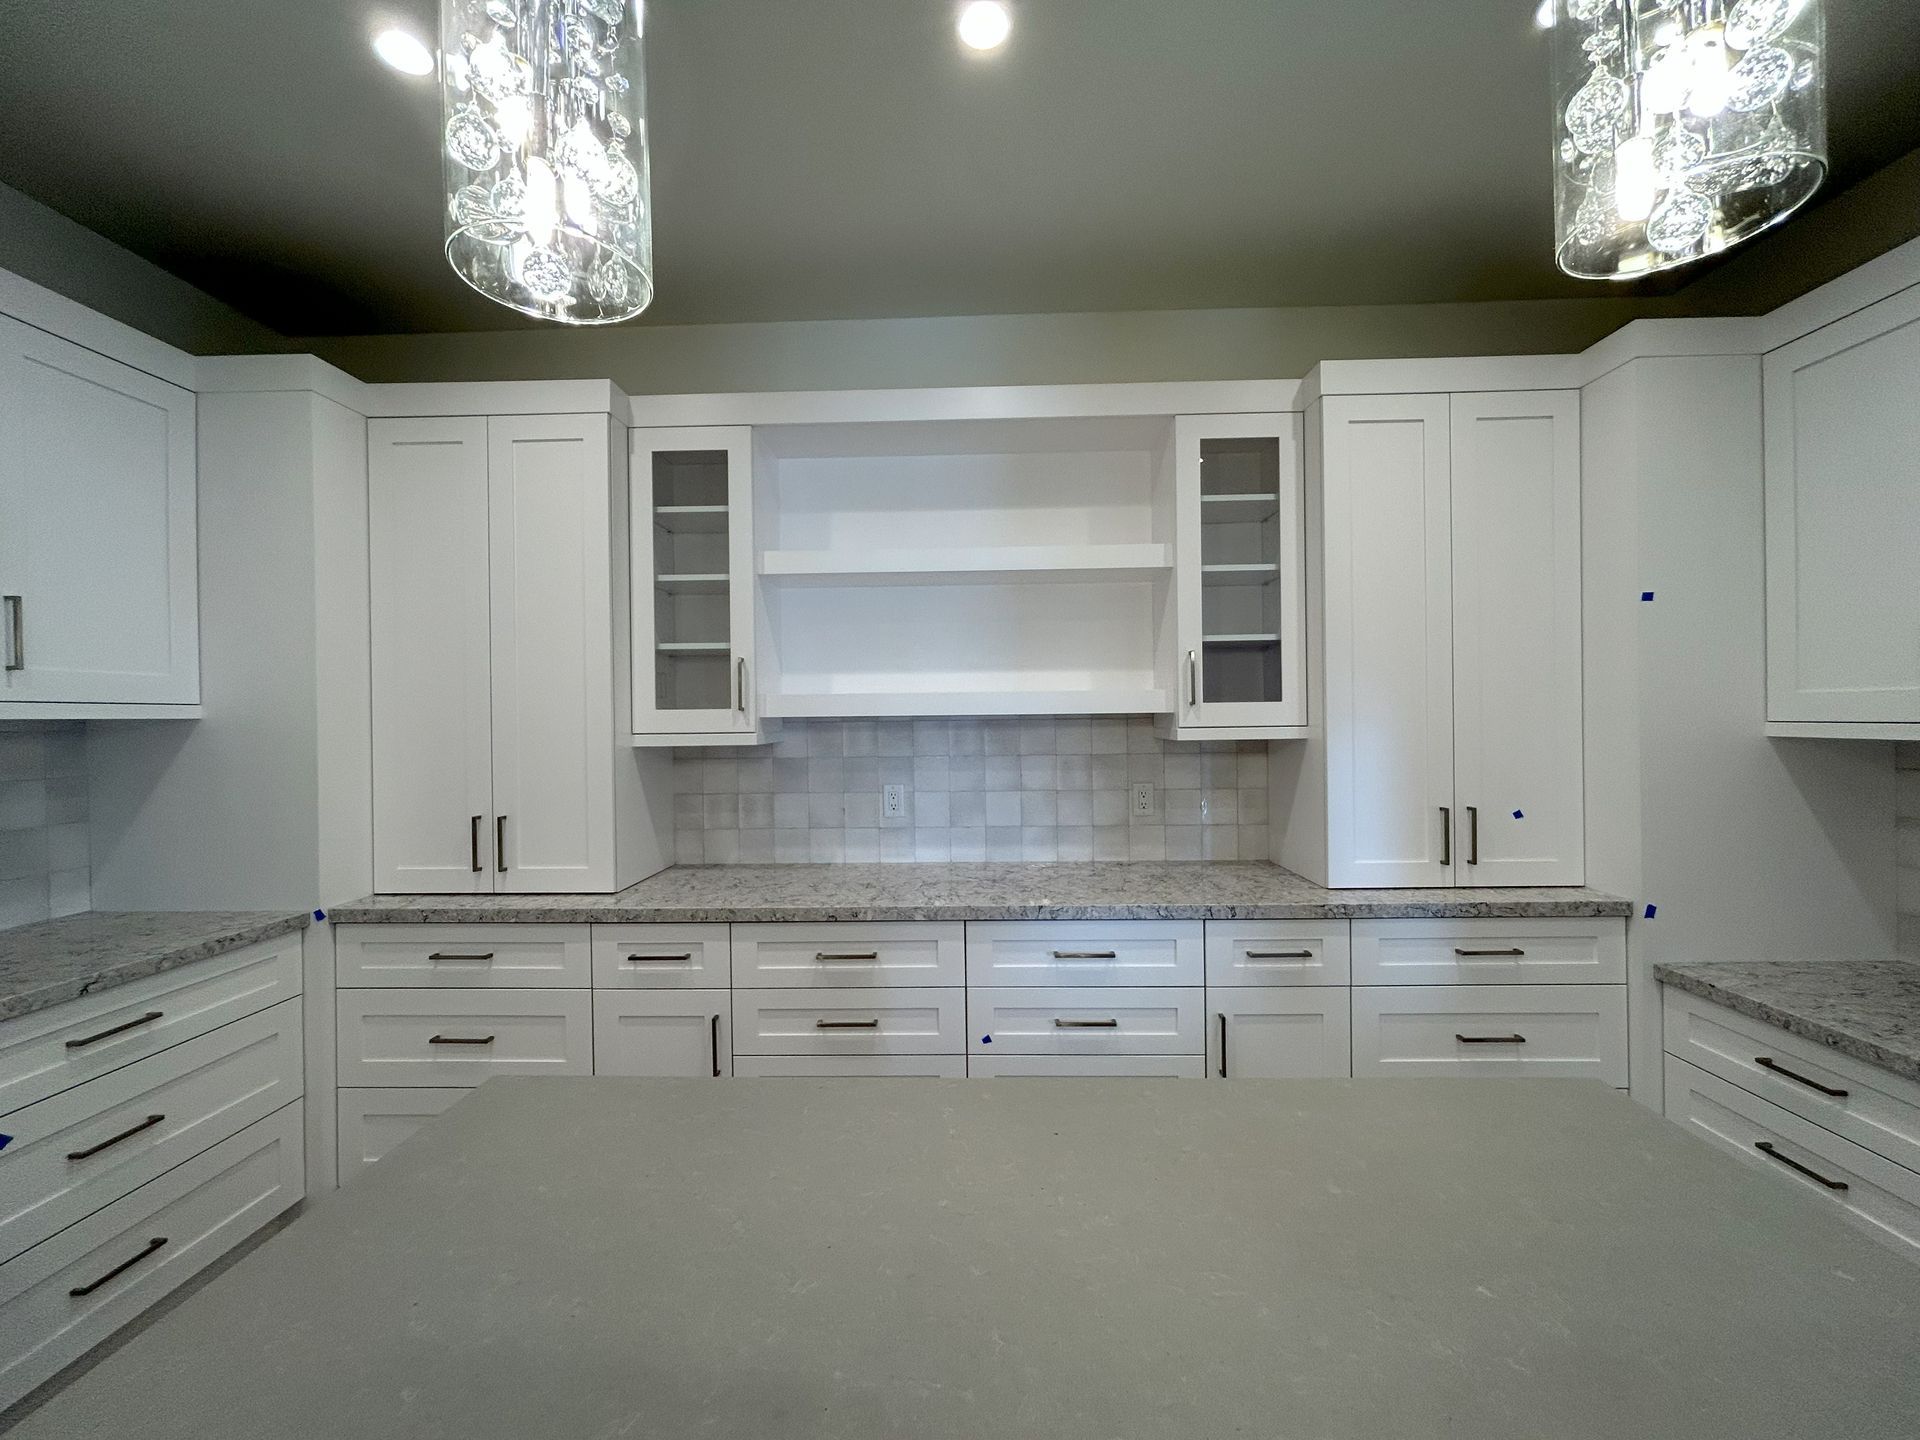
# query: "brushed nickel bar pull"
[[659, 959], [1473, 834], [1509, 954], [473, 842], [500, 843], [716, 1047], [1279, 954], [1060, 1024], [16, 633], [1193, 679], [1774, 1065], [113, 1140], [1765, 1147], [823, 956], [1490, 1039], [125, 1265], [873, 1024], [121, 1029], [477, 957], [1085, 955], [1223, 1046], [460, 1040], [740, 685], [1446, 835]]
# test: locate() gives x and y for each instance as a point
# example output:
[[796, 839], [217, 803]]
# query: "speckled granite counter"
[[1869, 1009], [60, 960], [1113, 891]]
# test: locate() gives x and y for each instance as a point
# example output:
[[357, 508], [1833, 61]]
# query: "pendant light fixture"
[[544, 140], [1681, 127]]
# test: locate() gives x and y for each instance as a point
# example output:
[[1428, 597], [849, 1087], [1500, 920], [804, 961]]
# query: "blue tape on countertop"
[[1652, 910]]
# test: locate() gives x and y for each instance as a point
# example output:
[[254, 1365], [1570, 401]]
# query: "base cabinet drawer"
[[1559, 1031], [374, 1122], [461, 1038], [668, 1033], [1279, 1034], [803, 1067], [1141, 1067], [1071, 1020], [1085, 952], [849, 1022], [84, 1148], [461, 957], [1279, 952], [1873, 1192], [1864, 1103], [661, 957], [915, 954], [68, 1293], [1490, 952]]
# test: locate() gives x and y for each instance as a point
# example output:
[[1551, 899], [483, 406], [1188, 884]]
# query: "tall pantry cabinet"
[[1444, 578], [502, 759]]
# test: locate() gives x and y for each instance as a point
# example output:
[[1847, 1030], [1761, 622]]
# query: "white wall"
[[1750, 848]]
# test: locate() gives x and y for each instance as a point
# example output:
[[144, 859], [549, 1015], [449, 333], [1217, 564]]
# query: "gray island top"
[[1119, 890], [947, 1260], [55, 961], [1869, 1009]]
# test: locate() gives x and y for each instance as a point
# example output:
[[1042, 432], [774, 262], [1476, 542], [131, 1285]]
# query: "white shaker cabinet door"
[[1519, 817], [97, 529], [432, 725]]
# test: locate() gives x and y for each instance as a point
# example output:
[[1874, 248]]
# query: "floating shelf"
[[690, 582], [1238, 574], [966, 702], [694, 647], [1027, 564], [691, 519], [1239, 640]]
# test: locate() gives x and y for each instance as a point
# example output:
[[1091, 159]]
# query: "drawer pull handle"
[[1223, 1047], [1512, 954], [113, 1140], [1765, 1147], [125, 1265], [660, 959], [1085, 955], [716, 1047], [873, 1024], [823, 956], [476, 958], [95, 1039], [1060, 1024], [473, 843], [1279, 954], [460, 1040], [1490, 1039], [1768, 1062]]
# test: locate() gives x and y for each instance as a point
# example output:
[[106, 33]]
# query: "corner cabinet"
[[500, 761], [1447, 535], [693, 586], [100, 607]]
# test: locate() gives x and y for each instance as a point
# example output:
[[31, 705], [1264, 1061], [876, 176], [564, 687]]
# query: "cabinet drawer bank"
[[1489, 952], [1279, 952], [461, 1038], [1086, 1020], [1086, 952], [1554, 1031], [462, 956], [880, 1021], [850, 956]]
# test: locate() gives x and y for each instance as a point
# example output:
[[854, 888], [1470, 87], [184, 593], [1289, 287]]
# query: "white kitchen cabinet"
[[99, 594], [693, 586], [1086, 1020], [1431, 1031], [672, 1033], [1843, 527], [1094, 953], [840, 1067], [1450, 749], [1279, 952], [1279, 1032], [454, 1039], [373, 1123], [1076, 1067], [462, 957], [880, 1021], [1239, 577], [1494, 951], [500, 755]]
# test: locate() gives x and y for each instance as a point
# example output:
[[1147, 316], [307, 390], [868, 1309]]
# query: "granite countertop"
[[55, 961], [1098, 891], [868, 1259], [1869, 1009]]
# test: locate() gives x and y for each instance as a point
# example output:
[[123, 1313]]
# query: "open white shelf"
[[1238, 509], [693, 647], [681, 584], [1053, 564], [1239, 639], [1123, 701], [1238, 574], [691, 519]]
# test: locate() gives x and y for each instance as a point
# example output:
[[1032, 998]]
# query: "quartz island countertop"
[[1869, 1009], [1119, 890]]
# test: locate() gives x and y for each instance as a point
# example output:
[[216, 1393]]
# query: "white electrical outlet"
[[1143, 803], [893, 801]]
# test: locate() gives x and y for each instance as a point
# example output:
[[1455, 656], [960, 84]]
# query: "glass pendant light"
[[1681, 127], [545, 145]]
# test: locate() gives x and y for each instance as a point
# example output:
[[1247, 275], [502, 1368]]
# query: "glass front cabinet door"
[[692, 557], [1239, 570]]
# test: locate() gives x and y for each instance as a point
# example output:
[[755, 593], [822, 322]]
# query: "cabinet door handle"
[[473, 842], [120, 1029], [740, 685], [660, 959], [1473, 834], [1774, 1065], [125, 1265], [1488, 954], [1765, 1147], [1446, 835], [16, 632], [460, 1040], [113, 1140], [1085, 955], [478, 957], [846, 1024], [716, 1047], [1223, 1046], [1279, 954], [826, 956], [500, 843], [1490, 1039], [1193, 679], [1060, 1024]]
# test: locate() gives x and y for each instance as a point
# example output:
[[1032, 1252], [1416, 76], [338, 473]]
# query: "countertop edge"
[[1821, 1032], [428, 913]]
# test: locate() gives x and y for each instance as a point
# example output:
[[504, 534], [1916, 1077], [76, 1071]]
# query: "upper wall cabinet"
[[1843, 527], [100, 612]]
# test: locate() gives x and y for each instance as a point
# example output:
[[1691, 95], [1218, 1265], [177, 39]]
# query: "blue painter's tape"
[[320, 916], [1646, 597], [5, 1140], [986, 1039], [1652, 910], [1519, 814]]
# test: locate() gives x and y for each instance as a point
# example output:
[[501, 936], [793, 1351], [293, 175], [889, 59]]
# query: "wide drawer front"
[[1547, 1030], [374, 1122], [667, 1033], [840, 957], [849, 1022], [1085, 952], [661, 957], [462, 1037], [76, 1151], [1279, 1034], [462, 957], [66, 1294], [814, 1067], [1278, 952], [1850, 1097], [1140, 1067], [54, 1050], [1070, 1020], [1874, 1192], [1489, 952]]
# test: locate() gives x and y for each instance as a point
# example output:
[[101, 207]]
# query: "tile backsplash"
[[986, 789], [1907, 840], [43, 820]]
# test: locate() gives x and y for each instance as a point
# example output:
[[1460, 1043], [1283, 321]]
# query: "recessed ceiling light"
[[985, 24], [403, 52]]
